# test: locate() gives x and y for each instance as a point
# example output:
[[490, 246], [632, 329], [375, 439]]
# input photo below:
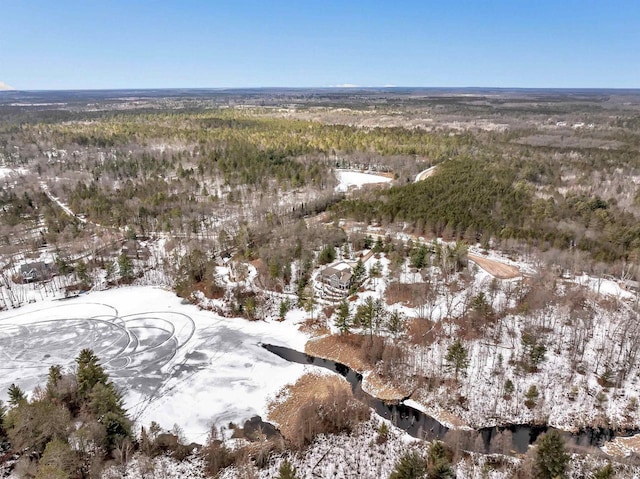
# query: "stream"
[[422, 426]]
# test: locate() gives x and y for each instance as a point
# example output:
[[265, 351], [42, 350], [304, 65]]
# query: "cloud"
[[4, 86], [346, 85]]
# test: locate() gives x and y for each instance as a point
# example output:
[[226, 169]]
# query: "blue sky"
[[47, 44]]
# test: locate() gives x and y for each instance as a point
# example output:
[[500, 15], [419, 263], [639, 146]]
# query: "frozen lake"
[[173, 362]]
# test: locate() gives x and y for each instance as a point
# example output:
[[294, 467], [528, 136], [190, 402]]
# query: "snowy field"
[[349, 179], [175, 363]]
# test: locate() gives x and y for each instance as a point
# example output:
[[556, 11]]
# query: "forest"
[[487, 248]]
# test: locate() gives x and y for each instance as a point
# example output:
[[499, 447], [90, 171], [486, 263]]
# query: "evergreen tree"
[[3, 411], [359, 272], [89, 372], [327, 255], [368, 242], [54, 376], [379, 314], [62, 265], [81, 271], [551, 460], [101, 398], [16, 396], [531, 396], [378, 246], [410, 466], [285, 306], [419, 257], [508, 388], [438, 464], [457, 357], [364, 315], [343, 320], [125, 268], [287, 471], [395, 323], [480, 306]]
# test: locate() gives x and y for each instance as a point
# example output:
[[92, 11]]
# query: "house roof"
[[341, 270], [35, 266]]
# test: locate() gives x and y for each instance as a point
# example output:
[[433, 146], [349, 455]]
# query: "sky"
[[104, 44]]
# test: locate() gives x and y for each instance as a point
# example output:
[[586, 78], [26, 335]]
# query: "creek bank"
[[422, 426]]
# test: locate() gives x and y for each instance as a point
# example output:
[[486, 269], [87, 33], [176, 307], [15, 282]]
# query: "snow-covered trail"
[[45, 188]]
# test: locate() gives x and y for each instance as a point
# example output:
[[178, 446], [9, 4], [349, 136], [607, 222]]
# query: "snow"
[[348, 179], [604, 286], [343, 455], [193, 467], [5, 172], [174, 363]]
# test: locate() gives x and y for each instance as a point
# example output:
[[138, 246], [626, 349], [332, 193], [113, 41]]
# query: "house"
[[37, 271], [133, 249], [339, 276]]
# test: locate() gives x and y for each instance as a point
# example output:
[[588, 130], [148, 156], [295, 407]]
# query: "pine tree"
[[327, 255], [457, 357], [285, 306], [551, 459], [359, 272], [102, 399], [378, 246], [438, 464], [81, 271], [287, 471], [54, 376], [531, 396], [3, 411], [410, 466], [343, 320], [379, 315], [364, 316], [395, 323], [16, 396], [125, 267], [89, 372]]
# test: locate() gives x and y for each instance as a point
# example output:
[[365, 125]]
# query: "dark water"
[[423, 426]]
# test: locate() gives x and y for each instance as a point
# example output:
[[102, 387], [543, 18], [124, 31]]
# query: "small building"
[[339, 276], [36, 271]]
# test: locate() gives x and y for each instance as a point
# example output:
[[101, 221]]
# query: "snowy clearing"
[[355, 179], [173, 362]]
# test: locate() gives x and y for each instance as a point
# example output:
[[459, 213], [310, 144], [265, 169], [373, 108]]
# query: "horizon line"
[[330, 87]]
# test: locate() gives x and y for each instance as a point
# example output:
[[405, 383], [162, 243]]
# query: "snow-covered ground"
[[174, 363], [348, 179], [5, 172]]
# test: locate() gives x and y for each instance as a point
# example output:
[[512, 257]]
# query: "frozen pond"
[[174, 363], [356, 179]]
